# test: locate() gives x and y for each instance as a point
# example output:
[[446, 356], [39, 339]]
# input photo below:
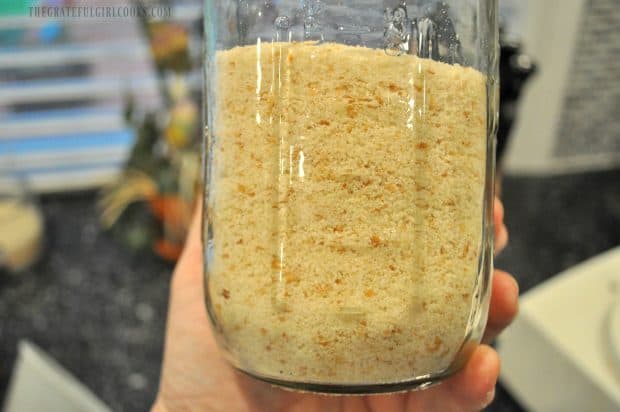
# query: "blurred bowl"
[[21, 226]]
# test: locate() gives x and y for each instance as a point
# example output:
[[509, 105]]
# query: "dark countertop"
[[101, 312], [97, 310]]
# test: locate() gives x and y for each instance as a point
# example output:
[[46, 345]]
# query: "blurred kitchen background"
[[100, 162]]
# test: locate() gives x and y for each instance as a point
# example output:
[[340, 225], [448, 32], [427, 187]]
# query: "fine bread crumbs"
[[345, 210]]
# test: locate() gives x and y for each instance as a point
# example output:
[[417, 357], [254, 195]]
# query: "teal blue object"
[[11, 37], [16, 7], [50, 32]]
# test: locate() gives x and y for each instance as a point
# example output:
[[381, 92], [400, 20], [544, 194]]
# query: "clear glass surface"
[[349, 160]]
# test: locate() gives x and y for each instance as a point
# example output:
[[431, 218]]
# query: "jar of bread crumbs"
[[349, 174]]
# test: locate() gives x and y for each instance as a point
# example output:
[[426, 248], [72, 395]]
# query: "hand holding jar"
[[348, 219]]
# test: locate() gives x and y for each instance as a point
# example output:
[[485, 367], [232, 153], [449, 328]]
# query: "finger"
[[471, 389], [193, 235], [390, 402], [498, 212], [501, 238], [190, 261], [504, 304], [501, 233]]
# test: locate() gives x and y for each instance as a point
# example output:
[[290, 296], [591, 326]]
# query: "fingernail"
[[499, 208], [515, 285], [501, 240], [489, 398]]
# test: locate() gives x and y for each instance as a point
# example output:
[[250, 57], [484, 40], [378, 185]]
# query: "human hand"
[[195, 377]]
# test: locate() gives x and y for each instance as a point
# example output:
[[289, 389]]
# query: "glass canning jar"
[[349, 185]]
